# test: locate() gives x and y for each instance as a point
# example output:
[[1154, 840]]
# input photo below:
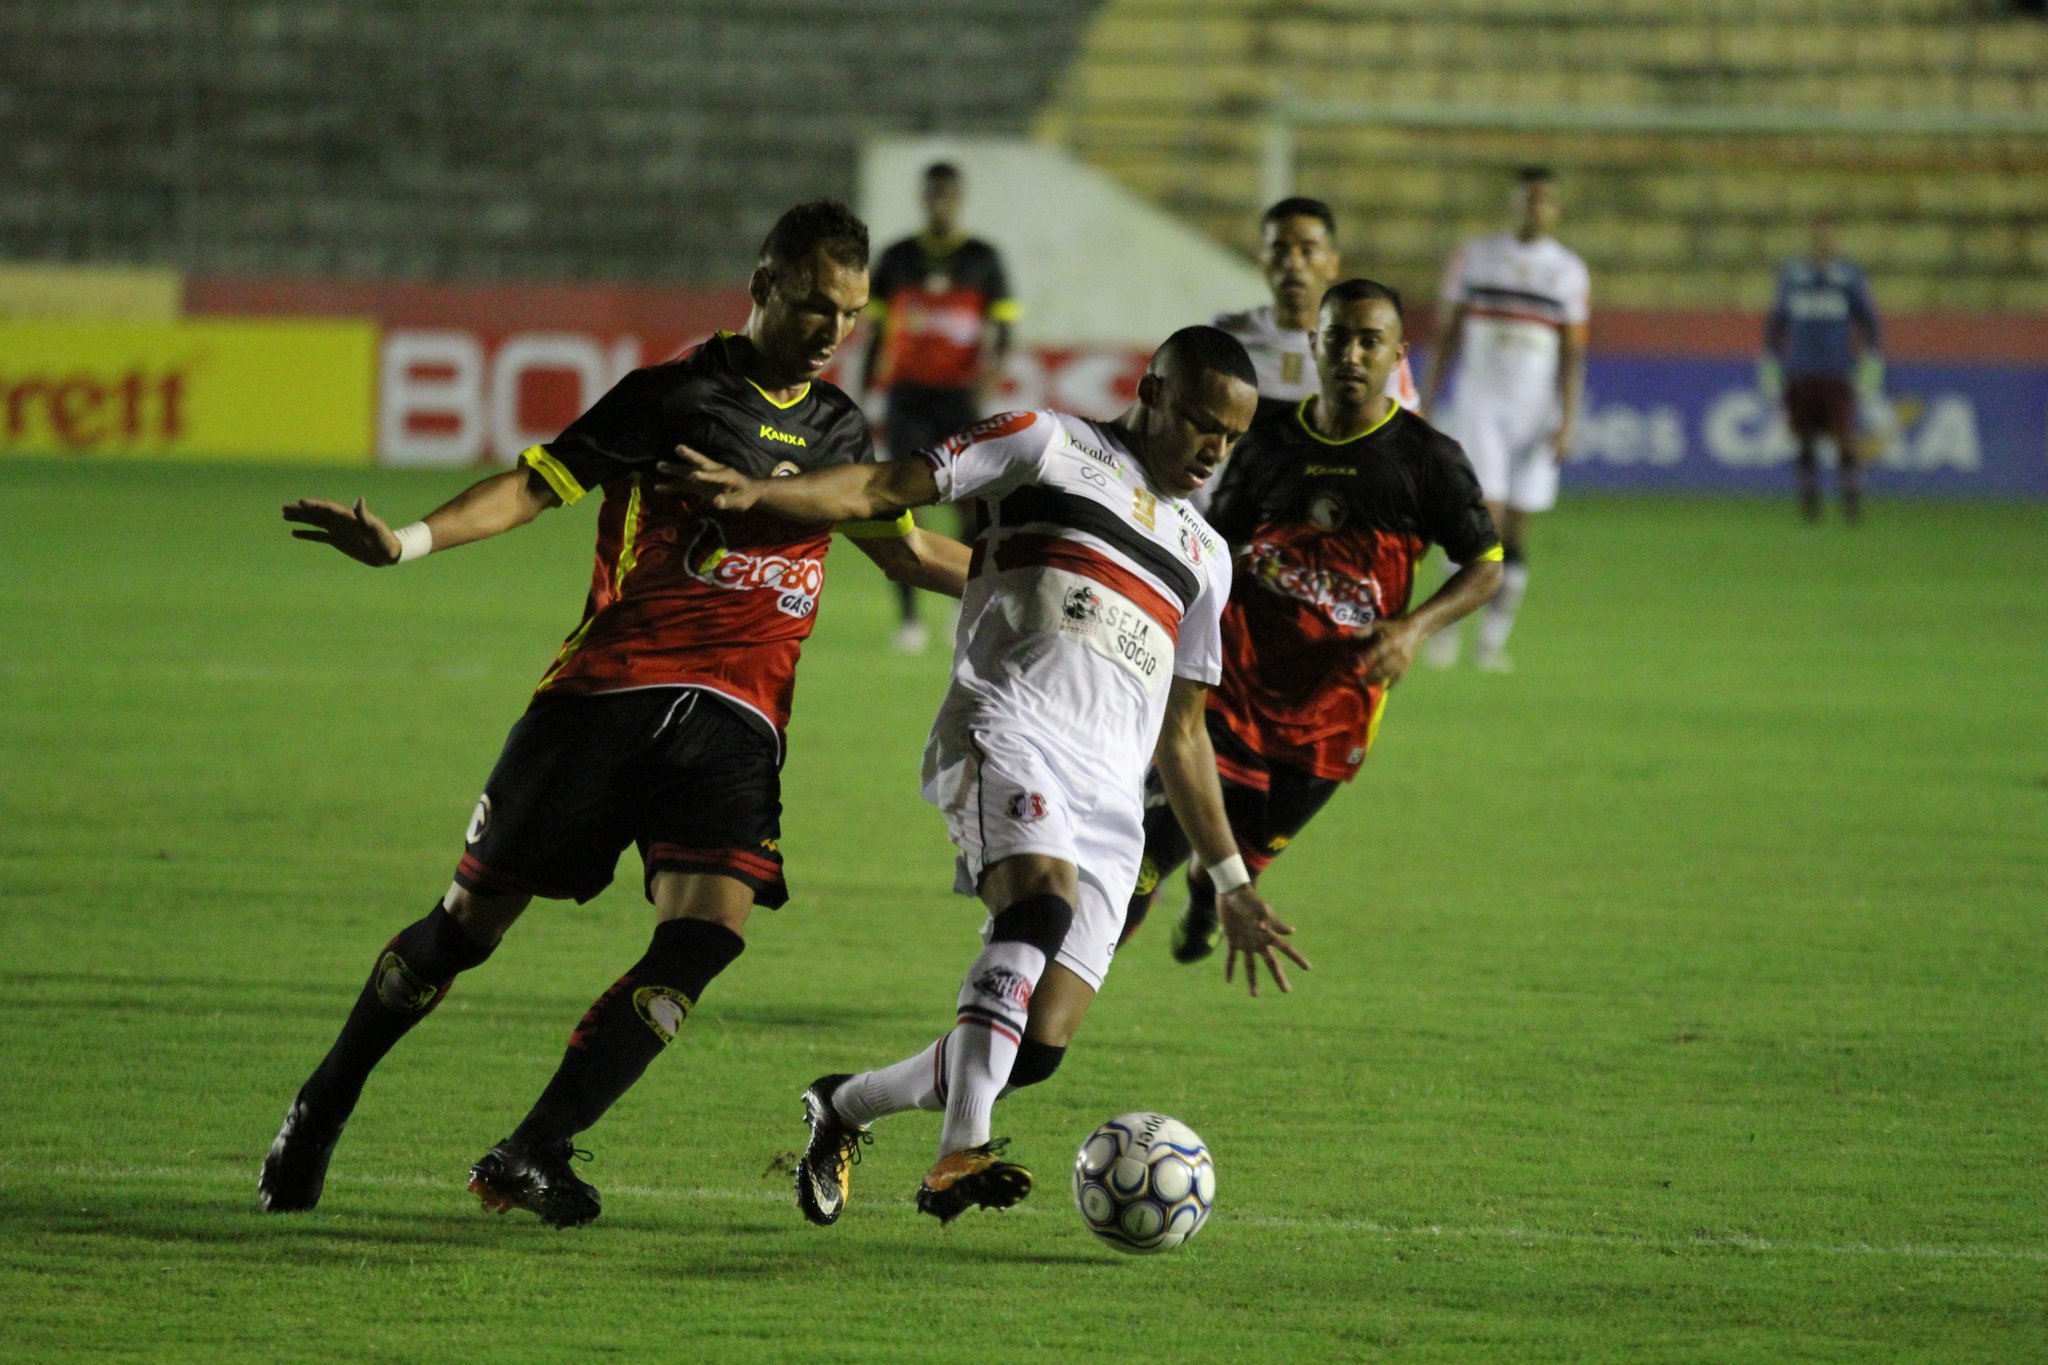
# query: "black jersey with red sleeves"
[[681, 595], [1326, 536], [931, 297]]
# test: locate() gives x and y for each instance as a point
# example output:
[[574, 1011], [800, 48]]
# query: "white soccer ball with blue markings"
[[1144, 1183]]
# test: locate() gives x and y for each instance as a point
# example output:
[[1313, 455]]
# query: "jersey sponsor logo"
[[987, 429], [1352, 603], [797, 582], [1027, 808], [663, 1009], [1105, 621], [769, 433], [1314, 469], [1101, 457]]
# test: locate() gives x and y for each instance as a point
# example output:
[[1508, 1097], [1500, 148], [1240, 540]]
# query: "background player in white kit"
[[1516, 308], [1090, 633], [1300, 259]]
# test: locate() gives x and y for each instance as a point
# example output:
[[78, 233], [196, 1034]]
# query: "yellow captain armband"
[[1494, 556], [878, 530], [1005, 310], [554, 471]]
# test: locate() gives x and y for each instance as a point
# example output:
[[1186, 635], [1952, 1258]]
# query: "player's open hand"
[[696, 475], [356, 531], [1386, 649], [1251, 928]]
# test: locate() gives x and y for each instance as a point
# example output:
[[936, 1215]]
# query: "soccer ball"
[[1144, 1183]]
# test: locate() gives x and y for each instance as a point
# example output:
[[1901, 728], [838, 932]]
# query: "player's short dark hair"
[[1206, 348], [1300, 206], [1535, 175], [1352, 291], [942, 170], [820, 224]]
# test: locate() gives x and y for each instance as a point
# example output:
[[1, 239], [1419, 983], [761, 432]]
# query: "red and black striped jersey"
[[931, 298], [1326, 536], [683, 596]]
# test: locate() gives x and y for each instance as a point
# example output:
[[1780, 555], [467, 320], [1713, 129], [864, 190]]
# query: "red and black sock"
[[412, 976], [628, 1026]]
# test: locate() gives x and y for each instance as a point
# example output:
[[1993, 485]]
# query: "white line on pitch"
[[1386, 1231]]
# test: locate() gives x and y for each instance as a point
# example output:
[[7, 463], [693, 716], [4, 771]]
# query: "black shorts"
[[919, 418], [675, 770], [1268, 805]]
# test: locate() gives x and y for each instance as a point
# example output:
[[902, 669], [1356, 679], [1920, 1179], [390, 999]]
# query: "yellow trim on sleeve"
[[629, 540], [1372, 726], [1493, 556], [1301, 415], [1005, 310], [555, 472], [878, 530]]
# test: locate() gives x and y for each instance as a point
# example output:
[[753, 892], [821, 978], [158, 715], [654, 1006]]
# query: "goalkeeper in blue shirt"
[[1820, 348]]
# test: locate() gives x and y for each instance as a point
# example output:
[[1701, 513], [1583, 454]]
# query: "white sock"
[[995, 1002], [912, 1083], [1499, 617]]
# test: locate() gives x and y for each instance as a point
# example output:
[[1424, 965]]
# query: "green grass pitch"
[[1683, 996]]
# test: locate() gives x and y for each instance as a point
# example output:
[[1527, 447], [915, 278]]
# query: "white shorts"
[[1511, 452], [1003, 794]]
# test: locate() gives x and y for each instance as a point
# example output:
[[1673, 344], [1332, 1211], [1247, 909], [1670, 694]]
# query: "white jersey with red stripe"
[[1518, 297], [1090, 591]]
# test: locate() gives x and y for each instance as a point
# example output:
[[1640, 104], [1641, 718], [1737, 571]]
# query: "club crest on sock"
[[1012, 987], [663, 1009], [400, 989]]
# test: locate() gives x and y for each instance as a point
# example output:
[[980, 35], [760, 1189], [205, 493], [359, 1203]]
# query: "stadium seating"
[[640, 139], [1174, 98]]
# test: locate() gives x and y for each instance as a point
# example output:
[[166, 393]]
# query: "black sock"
[[411, 977], [906, 603], [628, 1026]]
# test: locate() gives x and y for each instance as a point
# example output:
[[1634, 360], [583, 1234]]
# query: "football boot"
[[538, 1179], [970, 1178], [824, 1174], [295, 1170]]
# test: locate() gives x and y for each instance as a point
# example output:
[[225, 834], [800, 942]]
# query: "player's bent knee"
[[702, 896], [1039, 921], [484, 918], [1035, 1062]]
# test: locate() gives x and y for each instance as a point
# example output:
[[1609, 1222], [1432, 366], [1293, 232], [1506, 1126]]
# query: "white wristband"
[[1228, 875], [413, 541]]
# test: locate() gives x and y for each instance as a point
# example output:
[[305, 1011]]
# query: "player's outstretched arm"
[[846, 492], [1388, 647], [482, 510], [1187, 769], [921, 559]]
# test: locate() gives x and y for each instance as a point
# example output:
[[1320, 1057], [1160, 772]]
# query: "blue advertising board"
[[1656, 423], [1700, 424]]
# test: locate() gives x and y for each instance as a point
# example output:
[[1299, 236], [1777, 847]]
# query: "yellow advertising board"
[[242, 389]]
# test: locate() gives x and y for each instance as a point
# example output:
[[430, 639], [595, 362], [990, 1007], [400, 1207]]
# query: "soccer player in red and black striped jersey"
[[660, 721], [943, 313], [1329, 505]]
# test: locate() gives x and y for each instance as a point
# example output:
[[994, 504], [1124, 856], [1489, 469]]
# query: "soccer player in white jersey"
[[1300, 260], [1089, 636], [1516, 304]]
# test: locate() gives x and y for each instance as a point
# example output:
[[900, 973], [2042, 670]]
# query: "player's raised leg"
[[697, 936], [410, 977]]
